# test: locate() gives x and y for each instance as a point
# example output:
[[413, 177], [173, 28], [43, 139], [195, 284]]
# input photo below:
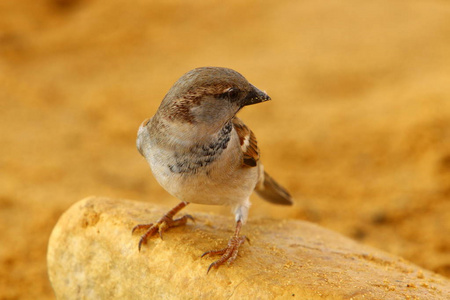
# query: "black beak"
[[254, 96]]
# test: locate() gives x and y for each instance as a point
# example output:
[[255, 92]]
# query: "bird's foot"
[[159, 227], [229, 253]]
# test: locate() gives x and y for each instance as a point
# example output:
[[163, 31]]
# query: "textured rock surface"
[[93, 255]]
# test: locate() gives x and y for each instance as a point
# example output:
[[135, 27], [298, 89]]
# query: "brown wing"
[[249, 146]]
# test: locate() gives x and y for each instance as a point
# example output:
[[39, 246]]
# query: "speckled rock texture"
[[93, 255]]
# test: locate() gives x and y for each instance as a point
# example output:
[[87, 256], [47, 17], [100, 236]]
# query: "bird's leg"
[[162, 224], [229, 253]]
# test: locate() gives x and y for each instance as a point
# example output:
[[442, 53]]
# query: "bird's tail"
[[271, 191]]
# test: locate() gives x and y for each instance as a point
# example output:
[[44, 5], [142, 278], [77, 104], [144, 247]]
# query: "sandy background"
[[358, 129]]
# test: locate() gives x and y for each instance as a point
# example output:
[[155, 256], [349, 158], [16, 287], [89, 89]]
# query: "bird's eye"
[[231, 93]]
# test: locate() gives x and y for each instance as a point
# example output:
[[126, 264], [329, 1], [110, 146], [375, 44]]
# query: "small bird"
[[200, 152]]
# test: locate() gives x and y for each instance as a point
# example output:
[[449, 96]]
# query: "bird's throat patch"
[[200, 156]]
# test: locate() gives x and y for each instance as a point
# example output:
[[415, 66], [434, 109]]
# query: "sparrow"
[[200, 152]]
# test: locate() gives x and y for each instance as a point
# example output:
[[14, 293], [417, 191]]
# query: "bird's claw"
[[229, 253], [159, 227]]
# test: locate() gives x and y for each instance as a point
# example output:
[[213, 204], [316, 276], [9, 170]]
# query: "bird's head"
[[209, 96]]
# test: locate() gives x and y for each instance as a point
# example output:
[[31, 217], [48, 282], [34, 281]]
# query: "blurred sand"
[[358, 129]]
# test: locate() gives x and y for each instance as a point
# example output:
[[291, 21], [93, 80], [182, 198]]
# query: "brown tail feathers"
[[271, 191]]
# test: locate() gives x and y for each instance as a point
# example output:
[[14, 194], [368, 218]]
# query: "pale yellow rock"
[[93, 255]]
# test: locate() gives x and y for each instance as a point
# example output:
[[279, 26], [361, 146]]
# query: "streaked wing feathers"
[[249, 145]]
